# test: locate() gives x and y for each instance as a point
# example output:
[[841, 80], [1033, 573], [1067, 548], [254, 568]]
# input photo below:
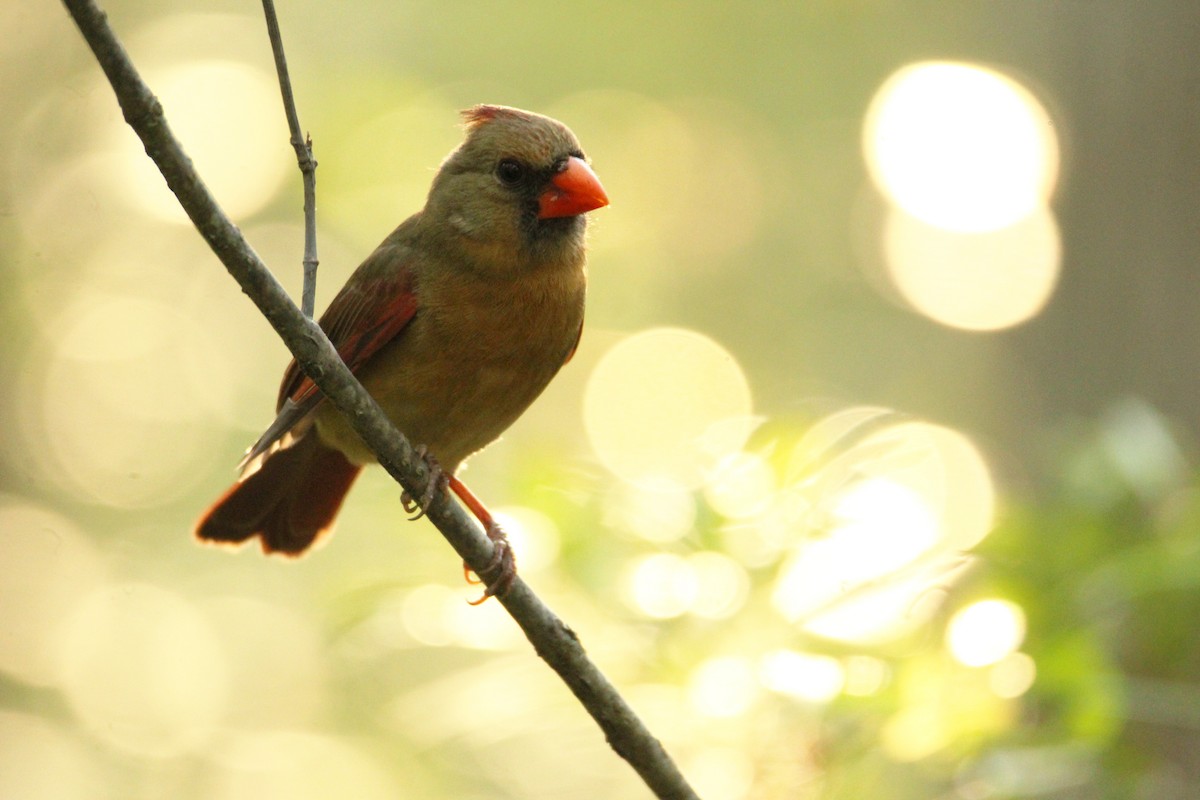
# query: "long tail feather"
[[288, 503]]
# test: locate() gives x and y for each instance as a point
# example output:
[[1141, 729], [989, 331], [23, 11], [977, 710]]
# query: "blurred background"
[[874, 476]]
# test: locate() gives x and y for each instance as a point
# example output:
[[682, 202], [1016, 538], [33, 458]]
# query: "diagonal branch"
[[304, 155], [556, 643]]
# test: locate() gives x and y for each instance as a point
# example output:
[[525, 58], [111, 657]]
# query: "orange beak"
[[573, 191]]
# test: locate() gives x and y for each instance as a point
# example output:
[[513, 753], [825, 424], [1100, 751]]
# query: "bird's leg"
[[501, 568], [438, 481], [497, 576]]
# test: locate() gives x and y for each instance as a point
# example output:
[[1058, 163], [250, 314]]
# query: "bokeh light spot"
[[804, 676], [887, 522], [483, 627], [968, 497], [883, 609], [667, 405], [662, 513], [662, 585], [883, 527], [121, 393], [1013, 675], [722, 585], [742, 485], [227, 116], [144, 670], [865, 675], [532, 534], [438, 616], [914, 733], [724, 686], [894, 503], [960, 146], [985, 632], [976, 280], [428, 614], [833, 438]]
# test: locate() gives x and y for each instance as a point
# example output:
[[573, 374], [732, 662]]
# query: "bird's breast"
[[476, 355]]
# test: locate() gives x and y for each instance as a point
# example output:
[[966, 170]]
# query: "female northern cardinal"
[[455, 324]]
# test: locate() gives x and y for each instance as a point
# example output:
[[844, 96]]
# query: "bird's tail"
[[288, 503]]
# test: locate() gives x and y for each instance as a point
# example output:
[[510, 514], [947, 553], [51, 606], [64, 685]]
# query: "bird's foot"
[[439, 481], [501, 569]]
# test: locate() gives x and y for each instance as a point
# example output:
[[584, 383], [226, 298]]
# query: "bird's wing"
[[365, 315]]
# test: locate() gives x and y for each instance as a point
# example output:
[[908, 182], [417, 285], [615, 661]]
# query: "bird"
[[454, 324]]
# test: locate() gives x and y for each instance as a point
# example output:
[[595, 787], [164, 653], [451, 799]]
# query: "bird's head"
[[517, 188]]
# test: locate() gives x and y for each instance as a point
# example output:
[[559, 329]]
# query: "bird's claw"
[[501, 569], [438, 483]]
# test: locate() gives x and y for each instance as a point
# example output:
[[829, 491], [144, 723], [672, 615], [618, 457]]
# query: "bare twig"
[[551, 638], [304, 155]]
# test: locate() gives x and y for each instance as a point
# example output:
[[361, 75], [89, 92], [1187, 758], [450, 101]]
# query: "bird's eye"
[[510, 171]]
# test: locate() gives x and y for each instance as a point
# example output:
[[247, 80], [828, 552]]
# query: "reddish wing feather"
[[361, 319]]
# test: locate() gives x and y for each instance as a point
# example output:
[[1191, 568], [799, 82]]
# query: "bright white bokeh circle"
[[960, 146]]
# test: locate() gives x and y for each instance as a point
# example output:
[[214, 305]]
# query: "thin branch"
[[304, 156], [556, 643]]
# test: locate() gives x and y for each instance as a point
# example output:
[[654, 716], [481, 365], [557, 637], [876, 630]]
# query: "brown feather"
[[289, 503], [363, 317]]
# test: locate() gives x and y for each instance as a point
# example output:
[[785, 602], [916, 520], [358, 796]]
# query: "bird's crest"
[[477, 115]]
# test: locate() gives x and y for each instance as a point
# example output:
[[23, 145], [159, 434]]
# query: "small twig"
[[556, 643], [304, 156]]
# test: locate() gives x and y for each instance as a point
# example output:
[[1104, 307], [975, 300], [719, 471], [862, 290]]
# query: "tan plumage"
[[455, 324]]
